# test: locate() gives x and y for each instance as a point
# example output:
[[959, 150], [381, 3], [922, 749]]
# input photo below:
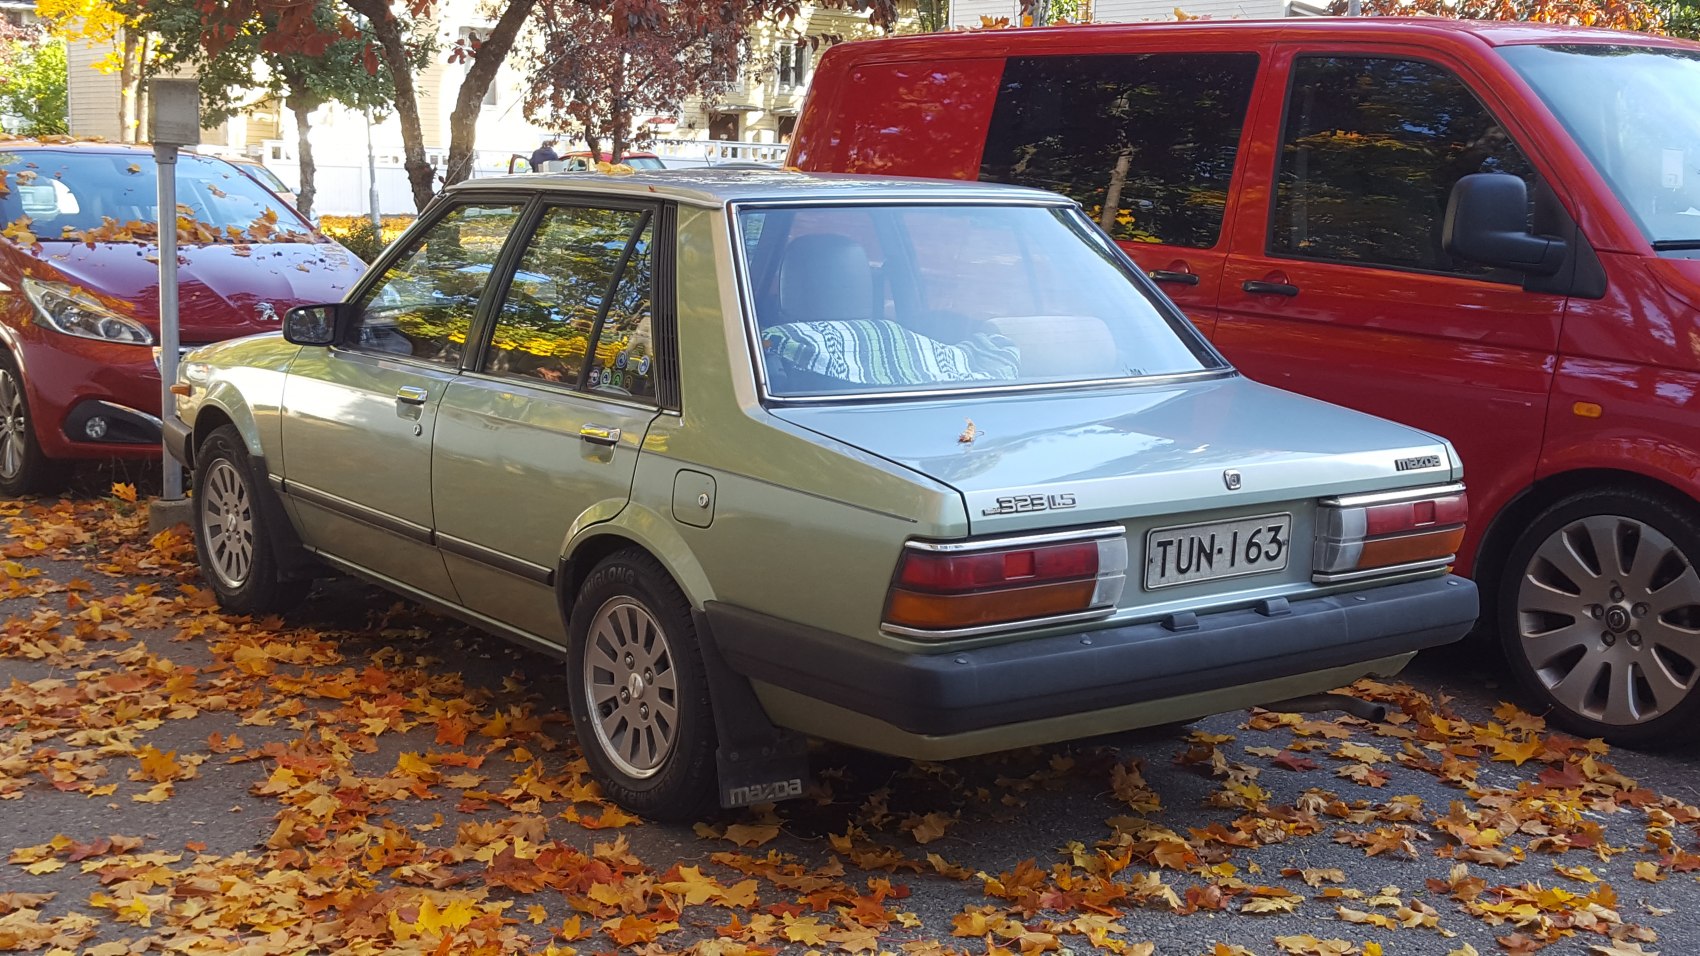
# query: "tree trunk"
[[463, 122], [622, 119], [303, 106], [127, 82], [388, 31]]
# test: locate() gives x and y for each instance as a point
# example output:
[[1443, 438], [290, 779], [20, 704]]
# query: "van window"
[[1145, 142], [1635, 110], [1370, 151]]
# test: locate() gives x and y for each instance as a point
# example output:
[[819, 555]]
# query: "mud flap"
[[756, 762]]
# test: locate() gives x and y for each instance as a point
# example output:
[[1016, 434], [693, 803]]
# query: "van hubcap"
[[629, 682], [227, 523], [12, 427], [1608, 613]]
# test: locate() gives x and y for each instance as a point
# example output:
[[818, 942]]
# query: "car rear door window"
[[1145, 142], [423, 305], [1370, 150], [585, 278]]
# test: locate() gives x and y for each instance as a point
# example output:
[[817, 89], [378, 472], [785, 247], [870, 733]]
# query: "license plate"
[[1221, 549]]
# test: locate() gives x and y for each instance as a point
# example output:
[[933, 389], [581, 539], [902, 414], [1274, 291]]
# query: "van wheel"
[[1600, 616], [639, 693], [24, 469], [234, 541]]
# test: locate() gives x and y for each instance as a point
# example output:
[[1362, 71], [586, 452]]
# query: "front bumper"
[[957, 692]]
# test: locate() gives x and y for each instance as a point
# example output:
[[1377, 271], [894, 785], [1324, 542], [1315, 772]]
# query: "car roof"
[[1096, 37], [713, 187], [56, 144]]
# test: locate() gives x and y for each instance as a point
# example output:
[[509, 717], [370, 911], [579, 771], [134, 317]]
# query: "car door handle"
[[1260, 287], [1170, 275], [600, 435], [411, 395]]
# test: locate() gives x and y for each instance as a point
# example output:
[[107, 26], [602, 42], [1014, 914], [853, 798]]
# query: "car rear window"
[[863, 299], [66, 193]]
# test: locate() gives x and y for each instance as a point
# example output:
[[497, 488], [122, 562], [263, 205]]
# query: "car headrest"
[[825, 278]]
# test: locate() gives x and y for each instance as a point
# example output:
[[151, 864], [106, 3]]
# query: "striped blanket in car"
[[881, 352]]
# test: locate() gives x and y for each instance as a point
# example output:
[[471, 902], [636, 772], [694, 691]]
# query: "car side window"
[[1370, 151], [423, 305], [585, 277], [1145, 142]]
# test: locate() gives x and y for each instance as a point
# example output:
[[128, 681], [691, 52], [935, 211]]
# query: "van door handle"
[[411, 395], [1260, 287], [1170, 275], [600, 435]]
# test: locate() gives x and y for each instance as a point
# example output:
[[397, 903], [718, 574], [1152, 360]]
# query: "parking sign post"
[[176, 111]]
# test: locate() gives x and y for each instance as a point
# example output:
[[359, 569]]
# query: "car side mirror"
[[314, 324], [1487, 221]]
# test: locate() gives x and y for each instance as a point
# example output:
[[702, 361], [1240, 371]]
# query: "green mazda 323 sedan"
[[926, 468]]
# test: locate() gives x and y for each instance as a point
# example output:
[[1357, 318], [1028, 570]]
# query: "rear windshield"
[[1635, 111], [66, 193], [861, 299]]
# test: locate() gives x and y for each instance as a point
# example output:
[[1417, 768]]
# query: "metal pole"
[[372, 173], [165, 159], [1354, 8]]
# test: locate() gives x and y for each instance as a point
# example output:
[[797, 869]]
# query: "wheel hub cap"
[[1609, 619], [227, 524]]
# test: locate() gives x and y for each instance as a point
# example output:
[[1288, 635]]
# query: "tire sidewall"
[[38, 473], [225, 444], [682, 788], [1670, 519]]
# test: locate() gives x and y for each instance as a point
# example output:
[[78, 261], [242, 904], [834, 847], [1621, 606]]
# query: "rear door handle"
[[600, 435], [1170, 275], [411, 395], [1259, 287]]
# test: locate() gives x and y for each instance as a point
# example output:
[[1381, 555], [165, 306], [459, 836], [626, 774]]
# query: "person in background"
[[543, 154]]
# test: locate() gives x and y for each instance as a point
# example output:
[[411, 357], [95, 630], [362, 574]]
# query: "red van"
[[1490, 231]]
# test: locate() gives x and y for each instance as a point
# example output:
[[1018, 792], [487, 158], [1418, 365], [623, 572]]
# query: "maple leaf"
[[630, 930], [926, 829], [1288, 760], [124, 491], [751, 834], [1649, 872]]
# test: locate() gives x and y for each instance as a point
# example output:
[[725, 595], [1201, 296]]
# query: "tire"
[[24, 468], [234, 539], [1599, 616], [638, 690]]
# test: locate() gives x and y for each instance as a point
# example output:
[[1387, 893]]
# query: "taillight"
[[960, 588], [1365, 535]]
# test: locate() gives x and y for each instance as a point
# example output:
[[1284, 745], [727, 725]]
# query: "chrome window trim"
[[752, 334], [1019, 540], [1392, 497]]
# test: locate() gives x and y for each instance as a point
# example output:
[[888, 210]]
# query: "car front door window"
[[423, 305]]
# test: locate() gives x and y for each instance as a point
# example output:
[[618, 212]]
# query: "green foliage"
[[1682, 19], [363, 239], [32, 91]]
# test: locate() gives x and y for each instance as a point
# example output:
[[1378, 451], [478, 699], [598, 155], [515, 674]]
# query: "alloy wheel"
[[630, 683], [227, 518], [1609, 619], [13, 432]]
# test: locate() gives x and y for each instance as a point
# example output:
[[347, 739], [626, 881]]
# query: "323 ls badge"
[[1023, 504]]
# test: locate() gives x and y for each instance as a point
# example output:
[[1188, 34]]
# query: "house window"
[[723, 126], [793, 65], [471, 39]]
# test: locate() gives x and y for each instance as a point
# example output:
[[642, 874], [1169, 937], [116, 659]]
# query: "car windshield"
[[1635, 111], [860, 299], [266, 177], [105, 192]]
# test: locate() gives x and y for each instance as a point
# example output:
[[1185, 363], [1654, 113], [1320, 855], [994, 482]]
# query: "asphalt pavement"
[[364, 777]]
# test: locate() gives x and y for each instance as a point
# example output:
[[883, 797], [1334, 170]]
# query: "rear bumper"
[[958, 692]]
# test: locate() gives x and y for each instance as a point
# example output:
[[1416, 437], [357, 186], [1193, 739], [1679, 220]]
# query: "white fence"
[[343, 180]]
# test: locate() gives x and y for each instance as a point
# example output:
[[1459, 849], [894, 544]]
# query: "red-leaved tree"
[[589, 73], [1615, 14]]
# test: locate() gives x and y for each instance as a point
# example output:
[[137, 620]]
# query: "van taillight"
[[944, 590], [1365, 535]]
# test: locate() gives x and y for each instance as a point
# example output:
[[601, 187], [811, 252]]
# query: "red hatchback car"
[[79, 293], [1490, 231]]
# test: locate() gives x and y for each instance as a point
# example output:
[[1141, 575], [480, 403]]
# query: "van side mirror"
[[1487, 220], [314, 324]]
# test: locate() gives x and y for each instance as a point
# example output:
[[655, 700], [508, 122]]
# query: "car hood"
[[221, 293], [1144, 450]]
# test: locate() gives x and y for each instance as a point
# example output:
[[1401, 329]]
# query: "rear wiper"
[[1675, 245]]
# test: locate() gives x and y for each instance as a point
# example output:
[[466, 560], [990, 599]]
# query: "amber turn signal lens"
[[1411, 548], [952, 611]]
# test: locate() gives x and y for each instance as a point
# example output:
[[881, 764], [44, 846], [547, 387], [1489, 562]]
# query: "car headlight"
[[72, 311]]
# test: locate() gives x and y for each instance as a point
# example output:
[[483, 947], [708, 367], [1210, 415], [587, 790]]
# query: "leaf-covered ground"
[[362, 777]]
